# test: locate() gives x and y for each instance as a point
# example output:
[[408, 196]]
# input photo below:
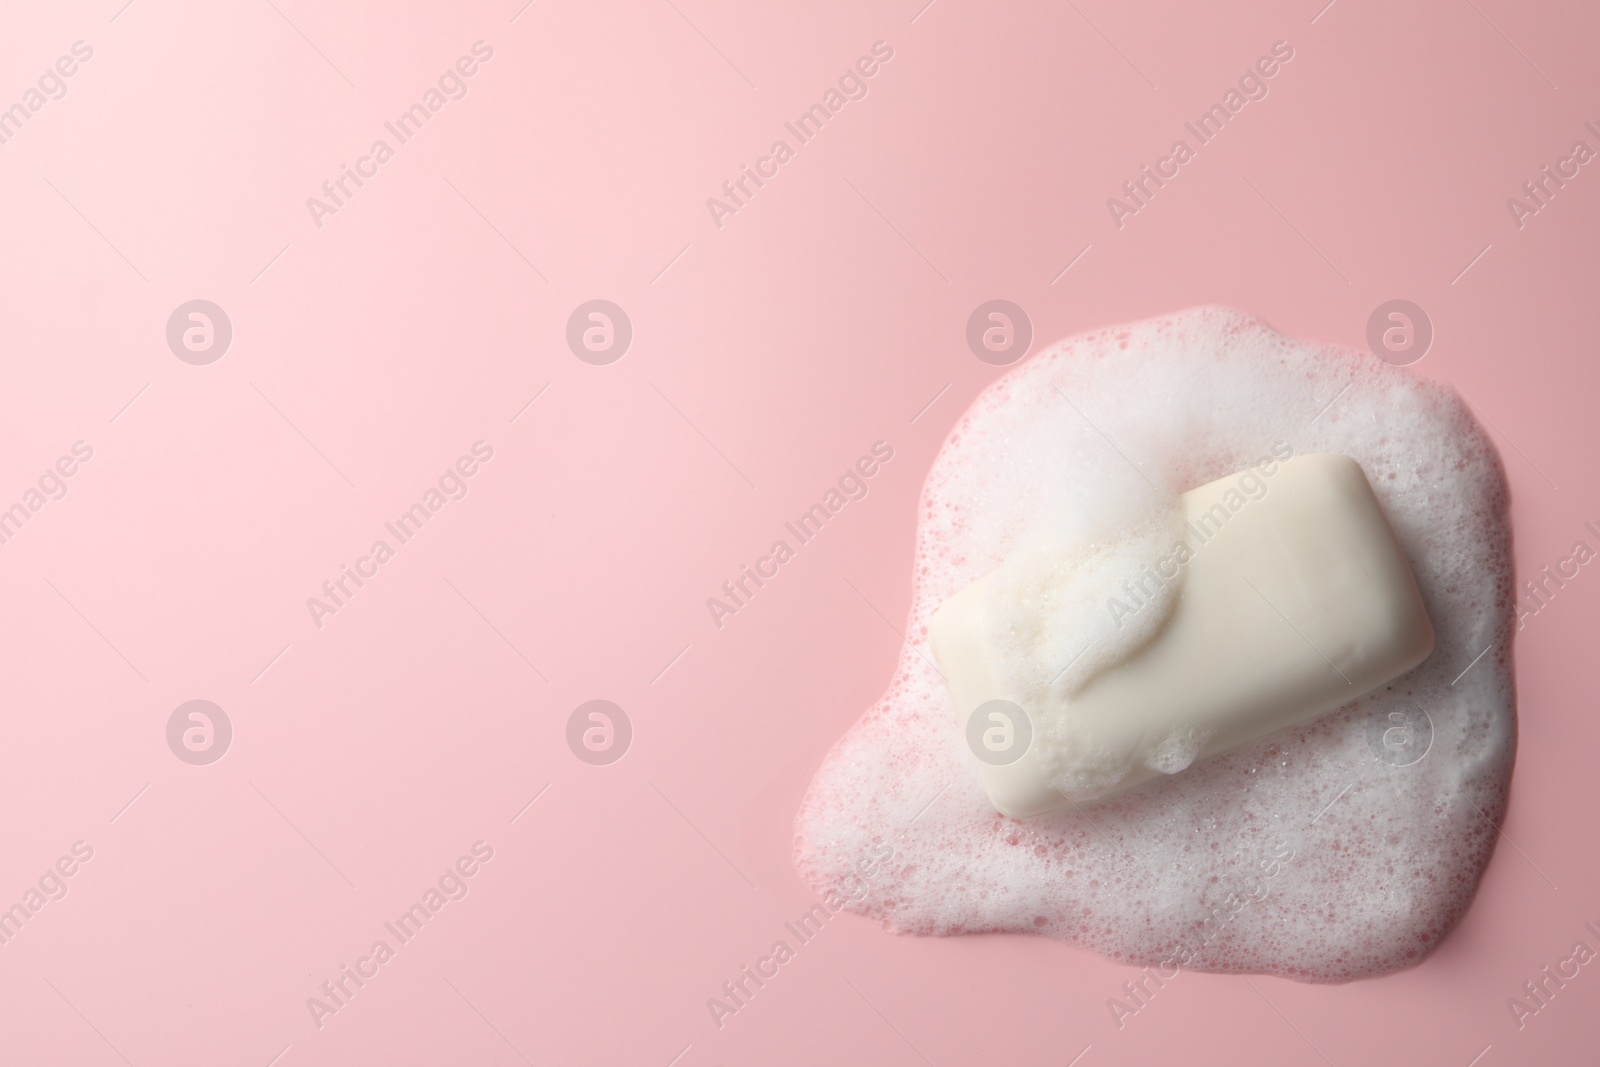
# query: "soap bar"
[[1291, 604]]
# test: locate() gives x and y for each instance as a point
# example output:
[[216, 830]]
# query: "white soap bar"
[[1289, 605]]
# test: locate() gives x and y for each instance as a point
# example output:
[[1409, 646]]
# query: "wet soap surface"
[[1337, 850], [1289, 599]]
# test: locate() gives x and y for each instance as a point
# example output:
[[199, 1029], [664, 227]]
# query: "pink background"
[[368, 354]]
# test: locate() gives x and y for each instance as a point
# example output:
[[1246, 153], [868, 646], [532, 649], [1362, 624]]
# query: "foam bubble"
[[1313, 854]]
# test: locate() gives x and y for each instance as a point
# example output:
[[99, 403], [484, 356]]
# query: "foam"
[[1095, 433]]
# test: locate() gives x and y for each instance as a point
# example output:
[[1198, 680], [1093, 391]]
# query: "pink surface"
[[369, 754]]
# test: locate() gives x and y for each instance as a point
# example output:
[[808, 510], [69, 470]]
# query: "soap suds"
[[1387, 852], [1051, 630]]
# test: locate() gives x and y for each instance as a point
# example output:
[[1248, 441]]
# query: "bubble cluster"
[[1386, 849]]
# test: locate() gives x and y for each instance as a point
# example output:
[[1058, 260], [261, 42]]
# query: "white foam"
[[1050, 627], [1102, 429]]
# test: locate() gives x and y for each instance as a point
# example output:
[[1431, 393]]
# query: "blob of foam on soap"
[[1387, 807]]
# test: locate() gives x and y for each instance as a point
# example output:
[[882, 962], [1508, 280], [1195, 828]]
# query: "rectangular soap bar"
[[1290, 607]]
